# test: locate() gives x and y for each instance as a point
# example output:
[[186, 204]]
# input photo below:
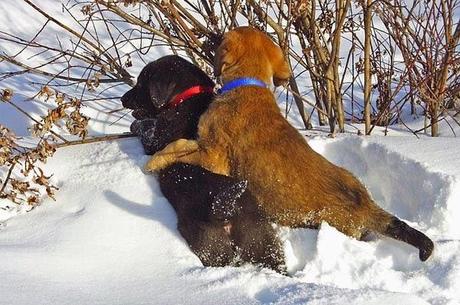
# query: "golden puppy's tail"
[[400, 230], [395, 228]]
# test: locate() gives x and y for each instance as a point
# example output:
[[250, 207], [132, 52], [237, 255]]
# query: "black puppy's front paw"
[[135, 127], [140, 127]]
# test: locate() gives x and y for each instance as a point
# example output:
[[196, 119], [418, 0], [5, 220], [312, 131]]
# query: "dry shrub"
[[338, 50]]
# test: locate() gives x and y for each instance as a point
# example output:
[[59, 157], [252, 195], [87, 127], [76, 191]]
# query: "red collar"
[[188, 93]]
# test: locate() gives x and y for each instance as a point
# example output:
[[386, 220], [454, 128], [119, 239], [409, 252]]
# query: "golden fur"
[[244, 135]]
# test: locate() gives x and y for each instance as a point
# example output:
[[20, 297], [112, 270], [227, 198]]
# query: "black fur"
[[218, 218], [401, 231]]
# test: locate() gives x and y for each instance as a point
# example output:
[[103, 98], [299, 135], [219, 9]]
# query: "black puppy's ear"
[[161, 94]]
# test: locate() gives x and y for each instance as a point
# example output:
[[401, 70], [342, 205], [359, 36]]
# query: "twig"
[[7, 177], [306, 101], [96, 139]]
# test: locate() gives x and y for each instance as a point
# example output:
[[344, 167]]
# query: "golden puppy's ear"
[[281, 70], [226, 54], [219, 59]]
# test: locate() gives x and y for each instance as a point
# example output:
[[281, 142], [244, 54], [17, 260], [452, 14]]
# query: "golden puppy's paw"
[[176, 151], [183, 146], [156, 163]]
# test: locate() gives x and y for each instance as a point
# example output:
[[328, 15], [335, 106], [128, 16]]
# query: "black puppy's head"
[[159, 82]]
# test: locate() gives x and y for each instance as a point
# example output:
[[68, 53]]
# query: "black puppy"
[[218, 218]]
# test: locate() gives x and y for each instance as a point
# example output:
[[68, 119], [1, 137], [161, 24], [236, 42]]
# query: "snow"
[[111, 236]]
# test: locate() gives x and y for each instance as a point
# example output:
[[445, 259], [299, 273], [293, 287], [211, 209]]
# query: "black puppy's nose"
[[128, 99]]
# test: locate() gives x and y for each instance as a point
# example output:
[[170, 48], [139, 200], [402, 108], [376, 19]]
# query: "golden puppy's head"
[[248, 52]]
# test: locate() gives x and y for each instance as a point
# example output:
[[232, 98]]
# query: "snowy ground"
[[111, 237]]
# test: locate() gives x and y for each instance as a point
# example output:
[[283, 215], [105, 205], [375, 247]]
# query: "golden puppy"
[[244, 135]]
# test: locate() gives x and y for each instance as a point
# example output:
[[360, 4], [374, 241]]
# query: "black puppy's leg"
[[226, 203], [258, 243], [255, 239], [219, 219], [209, 242], [189, 189]]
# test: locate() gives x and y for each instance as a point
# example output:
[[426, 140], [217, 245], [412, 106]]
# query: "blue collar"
[[239, 82]]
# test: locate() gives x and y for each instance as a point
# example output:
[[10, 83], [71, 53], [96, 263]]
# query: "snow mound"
[[427, 200], [404, 187]]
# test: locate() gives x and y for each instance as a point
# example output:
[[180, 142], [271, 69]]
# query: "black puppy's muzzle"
[[128, 100]]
